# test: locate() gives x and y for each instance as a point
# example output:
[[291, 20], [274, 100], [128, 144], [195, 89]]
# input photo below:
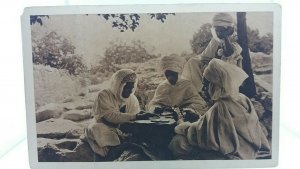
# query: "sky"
[[91, 34]]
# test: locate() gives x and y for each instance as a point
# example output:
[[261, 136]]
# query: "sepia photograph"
[[111, 87]]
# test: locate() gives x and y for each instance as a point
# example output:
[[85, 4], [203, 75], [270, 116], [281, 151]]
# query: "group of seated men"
[[206, 88]]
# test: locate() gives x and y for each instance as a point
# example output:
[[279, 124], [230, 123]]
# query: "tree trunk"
[[248, 88]]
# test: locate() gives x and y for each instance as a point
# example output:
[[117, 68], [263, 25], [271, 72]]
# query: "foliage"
[[122, 22], [131, 21], [57, 52], [201, 38], [160, 16], [260, 44], [37, 19], [121, 52], [256, 43]]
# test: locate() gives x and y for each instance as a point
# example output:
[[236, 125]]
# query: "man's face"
[[127, 89], [171, 76], [224, 32]]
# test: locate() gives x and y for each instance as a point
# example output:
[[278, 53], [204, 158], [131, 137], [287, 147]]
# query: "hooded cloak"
[[104, 132], [193, 69], [183, 94], [231, 126]]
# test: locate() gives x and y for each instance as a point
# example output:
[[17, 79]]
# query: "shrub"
[[256, 42], [57, 52]]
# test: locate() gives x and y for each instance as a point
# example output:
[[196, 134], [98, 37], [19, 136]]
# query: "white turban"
[[222, 19], [172, 62], [225, 79], [119, 79]]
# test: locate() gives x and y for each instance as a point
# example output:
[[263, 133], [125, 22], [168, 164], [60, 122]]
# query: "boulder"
[[48, 111], [67, 100], [64, 150], [266, 69], [77, 115], [259, 108], [58, 128], [263, 84], [264, 129], [266, 101], [79, 105], [267, 122], [94, 88]]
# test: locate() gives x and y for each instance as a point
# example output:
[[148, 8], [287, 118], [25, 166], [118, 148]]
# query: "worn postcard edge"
[[176, 8]]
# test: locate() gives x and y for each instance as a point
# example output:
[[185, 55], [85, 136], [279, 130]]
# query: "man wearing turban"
[[221, 46], [113, 106], [176, 92], [230, 127]]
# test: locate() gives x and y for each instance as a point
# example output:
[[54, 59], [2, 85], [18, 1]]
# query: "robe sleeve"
[[133, 105], [104, 108], [236, 58], [209, 53], [194, 101], [160, 98]]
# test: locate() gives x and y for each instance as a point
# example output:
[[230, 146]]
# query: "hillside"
[[64, 105]]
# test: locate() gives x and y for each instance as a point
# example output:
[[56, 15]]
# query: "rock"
[[94, 88], [67, 100], [69, 144], [266, 69], [128, 155], [259, 108], [58, 128], [79, 105], [74, 134], [82, 107], [49, 153], [264, 129], [77, 115], [90, 97], [82, 152], [266, 100], [48, 111], [85, 123], [82, 94], [267, 122], [261, 83], [64, 150]]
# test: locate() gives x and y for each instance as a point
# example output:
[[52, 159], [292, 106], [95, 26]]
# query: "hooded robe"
[[103, 133], [183, 94], [193, 69], [230, 127]]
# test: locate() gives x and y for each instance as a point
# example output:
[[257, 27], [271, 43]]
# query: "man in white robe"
[[230, 127], [221, 46], [176, 92], [113, 106]]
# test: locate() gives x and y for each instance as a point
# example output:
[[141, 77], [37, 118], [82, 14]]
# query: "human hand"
[[158, 110], [145, 116], [182, 128], [190, 116], [224, 32]]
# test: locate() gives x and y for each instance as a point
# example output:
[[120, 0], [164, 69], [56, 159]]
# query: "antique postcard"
[[153, 86]]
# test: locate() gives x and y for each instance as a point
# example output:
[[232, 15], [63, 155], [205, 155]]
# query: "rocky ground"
[[60, 124]]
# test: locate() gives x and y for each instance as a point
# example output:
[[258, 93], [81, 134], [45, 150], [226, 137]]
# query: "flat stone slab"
[[64, 150], [77, 115], [58, 128], [77, 105], [48, 111]]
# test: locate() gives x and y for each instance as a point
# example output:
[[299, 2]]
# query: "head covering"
[[172, 62], [119, 79], [222, 19], [225, 79]]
